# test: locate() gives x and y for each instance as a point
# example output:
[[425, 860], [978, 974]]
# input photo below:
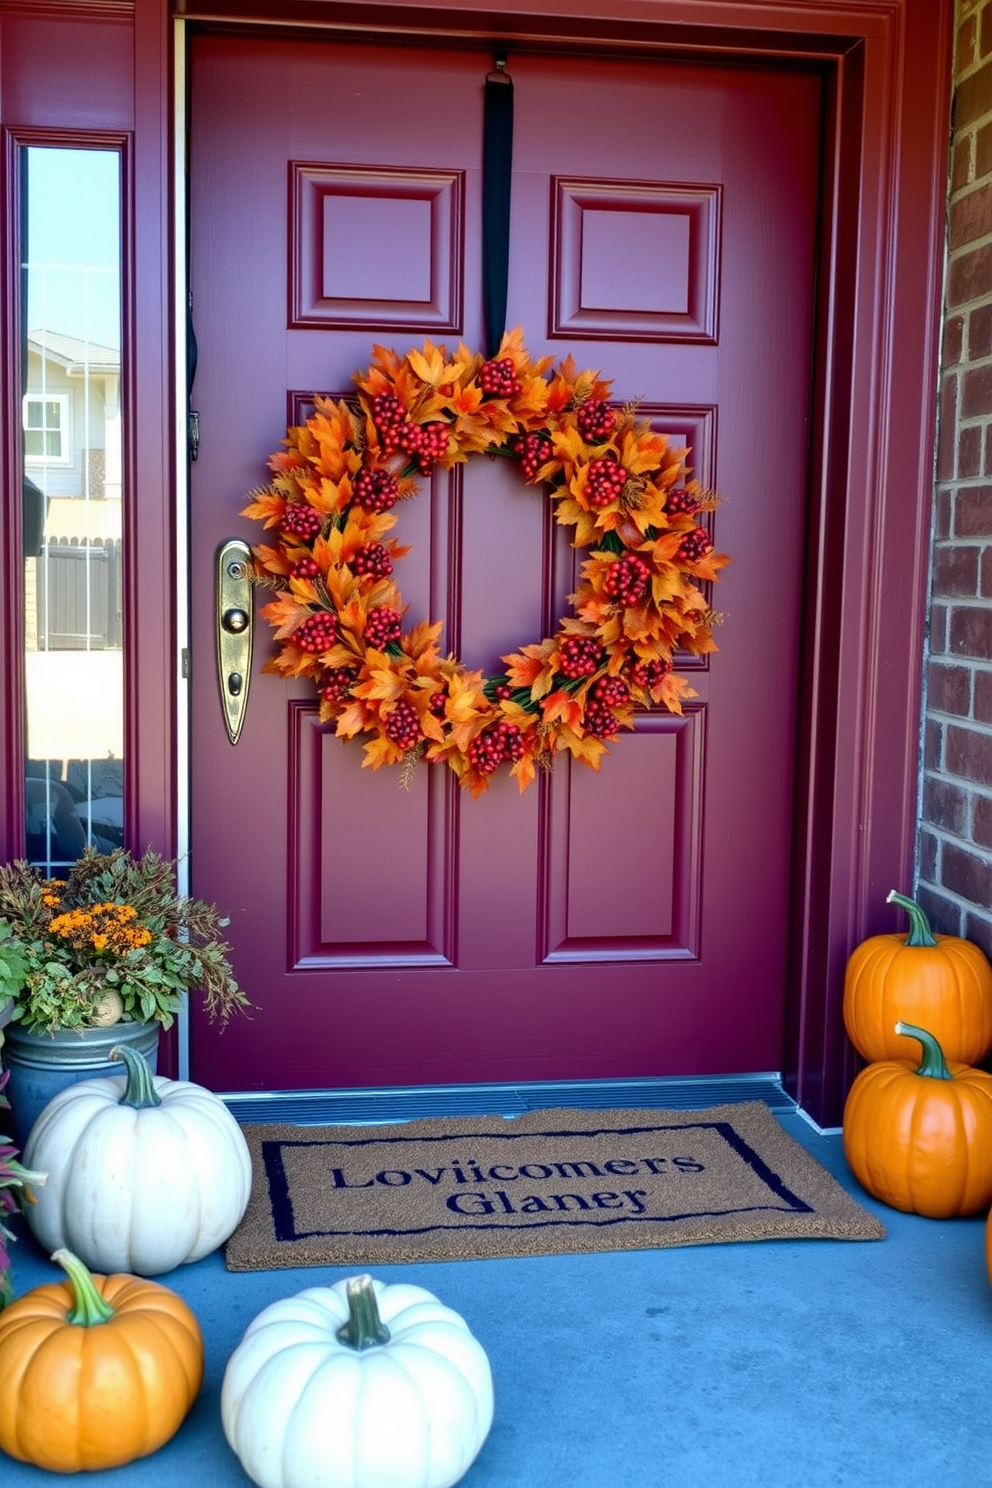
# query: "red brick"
[[946, 805], [973, 96], [969, 276], [949, 689], [933, 745], [980, 332], [938, 628], [985, 574], [953, 343], [976, 391], [981, 821], [968, 754], [977, 929], [955, 571], [966, 874], [982, 705], [971, 441], [947, 434], [970, 217], [973, 512], [942, 515], [928, 854], [964, 48], [985, 33], [961, 171], [971, 635], [983, 154]]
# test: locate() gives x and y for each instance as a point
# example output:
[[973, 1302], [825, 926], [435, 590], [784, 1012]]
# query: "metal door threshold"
[[367, 1107]]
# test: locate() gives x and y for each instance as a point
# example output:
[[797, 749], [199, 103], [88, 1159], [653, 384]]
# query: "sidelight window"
[[73, 493]]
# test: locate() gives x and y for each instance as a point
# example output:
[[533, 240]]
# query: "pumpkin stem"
[[933, 1066], [89, 1308], [139, 1092], [364, 1328], [920, 933]]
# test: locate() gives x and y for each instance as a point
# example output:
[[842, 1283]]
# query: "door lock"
[[234, 609]]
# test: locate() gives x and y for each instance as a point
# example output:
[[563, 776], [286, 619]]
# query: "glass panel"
[[71, 399]]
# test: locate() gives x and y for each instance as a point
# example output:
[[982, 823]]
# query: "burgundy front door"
[[630, 922]]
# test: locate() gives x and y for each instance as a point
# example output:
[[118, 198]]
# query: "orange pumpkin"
[[937, 982], [920, 1138], [96, 1370]]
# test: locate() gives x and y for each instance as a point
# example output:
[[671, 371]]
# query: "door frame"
[[872, 426], [887, 66]]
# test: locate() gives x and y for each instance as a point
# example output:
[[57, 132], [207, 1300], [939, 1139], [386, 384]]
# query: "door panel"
[[628, 922]]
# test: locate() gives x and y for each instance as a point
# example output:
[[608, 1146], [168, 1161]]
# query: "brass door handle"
[[234, 608]]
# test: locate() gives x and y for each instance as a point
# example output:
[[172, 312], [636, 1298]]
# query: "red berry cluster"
[[489, 749], [605, 481], [388, 414], [680, 500], [606, 694], [695, 545], [373, 559], [596, 420], [304, 568], [382, 625], [402, 725], [649, 673], [498, 378], [317, 633], [627, 579], [340, 681], [534, 450], [438, 703], [502, 692], [426, 443], [613, 691], [301, 521], [375, 490], [580, 656]]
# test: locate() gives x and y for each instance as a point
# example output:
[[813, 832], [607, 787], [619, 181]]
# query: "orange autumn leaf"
[[384, 685], [562, 707], [588, 749]]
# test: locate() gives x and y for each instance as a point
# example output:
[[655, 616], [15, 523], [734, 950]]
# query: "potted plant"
[[14, 1191], [103, 956]]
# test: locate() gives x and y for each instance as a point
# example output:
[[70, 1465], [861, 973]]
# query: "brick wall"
[[955, 840]]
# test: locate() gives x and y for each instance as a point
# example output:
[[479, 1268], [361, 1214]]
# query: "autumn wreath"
[[339, 615]]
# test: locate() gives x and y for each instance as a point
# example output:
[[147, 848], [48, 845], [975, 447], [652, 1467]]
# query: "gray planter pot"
[[42, 1064]]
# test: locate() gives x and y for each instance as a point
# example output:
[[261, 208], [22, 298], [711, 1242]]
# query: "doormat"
[[545, 1183]]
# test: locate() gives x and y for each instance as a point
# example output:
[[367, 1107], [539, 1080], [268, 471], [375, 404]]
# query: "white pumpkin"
[[144, 1173], [357, 1385]]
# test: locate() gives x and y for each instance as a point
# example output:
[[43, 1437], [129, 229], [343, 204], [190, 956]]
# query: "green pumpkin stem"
[[139, 1092], [933, 1066], [364, 1328], [89, 1308], [920, 933]]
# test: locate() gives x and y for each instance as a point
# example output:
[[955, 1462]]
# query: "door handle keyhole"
[[233, 609]]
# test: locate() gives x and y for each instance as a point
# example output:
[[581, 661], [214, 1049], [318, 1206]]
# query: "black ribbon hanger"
[[497, 170]]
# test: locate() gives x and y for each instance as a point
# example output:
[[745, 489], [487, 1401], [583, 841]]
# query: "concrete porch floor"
[[784, 1364]]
